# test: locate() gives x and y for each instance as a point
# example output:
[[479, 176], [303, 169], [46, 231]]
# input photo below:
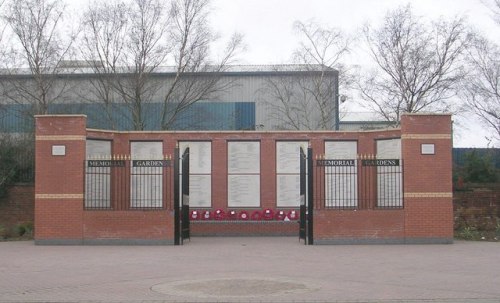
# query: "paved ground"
[[250, 270]]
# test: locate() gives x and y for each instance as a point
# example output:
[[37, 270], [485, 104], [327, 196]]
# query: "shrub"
[[19, 230], [479, 169], [468, 233], [28, 227], [24, 229], [16, 160]]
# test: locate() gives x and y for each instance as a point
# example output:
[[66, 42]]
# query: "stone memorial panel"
[[244, 190], [288, 190], [244, 157], [200, 169], [200, 190], [287, 156]]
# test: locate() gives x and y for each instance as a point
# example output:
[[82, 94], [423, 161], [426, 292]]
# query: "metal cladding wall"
[[61, 218], [247, 99]]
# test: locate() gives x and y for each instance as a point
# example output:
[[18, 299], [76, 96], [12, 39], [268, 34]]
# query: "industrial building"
[[271, 97]]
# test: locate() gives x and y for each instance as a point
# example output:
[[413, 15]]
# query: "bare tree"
[[310, 101], [196, 76], [124, 42], [494, 7], [153, 34], [418, 64], [303, 100], [39, 49], [324, 46], [104, 37], [481, 87]]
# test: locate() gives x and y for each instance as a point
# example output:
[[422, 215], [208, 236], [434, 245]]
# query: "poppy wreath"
[[195, 215], [268, 214], [280, 215], [220, 214], [293, 215], [256, 215], [207, 215], [243, 215], [232, 215]]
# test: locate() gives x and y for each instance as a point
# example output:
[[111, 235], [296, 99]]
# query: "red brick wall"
[[428, 178], [479, 208], [427, 216], [16, 207], [59, 179], [360, 226], [245, 228], [109, 226]]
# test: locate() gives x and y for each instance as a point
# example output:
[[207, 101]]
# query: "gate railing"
[[306, 197], [122, 183], [181, 196], [362, 183]]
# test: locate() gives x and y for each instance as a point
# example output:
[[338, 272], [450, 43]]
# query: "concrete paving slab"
[[250, 270]]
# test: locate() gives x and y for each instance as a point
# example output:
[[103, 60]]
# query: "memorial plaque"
[[98, 148], [200, 156], [288, 191], [427, 149], [58, 150], [200, 190], [288, 172], [341, 150], [389, 149], [287, 156], [146, 150], [243, 157], [200, 169], [243, 190]]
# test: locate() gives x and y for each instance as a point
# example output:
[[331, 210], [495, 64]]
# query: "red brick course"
[[424, 217], [16, 207]]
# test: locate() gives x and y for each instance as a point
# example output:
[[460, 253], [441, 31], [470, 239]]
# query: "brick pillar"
[[59, 177], [426, 143]]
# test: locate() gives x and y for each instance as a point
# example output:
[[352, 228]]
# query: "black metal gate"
[[181, 197], [303, 177], [306, 197], [185, 196]]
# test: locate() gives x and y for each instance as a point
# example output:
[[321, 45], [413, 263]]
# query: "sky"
[[267, 26]]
